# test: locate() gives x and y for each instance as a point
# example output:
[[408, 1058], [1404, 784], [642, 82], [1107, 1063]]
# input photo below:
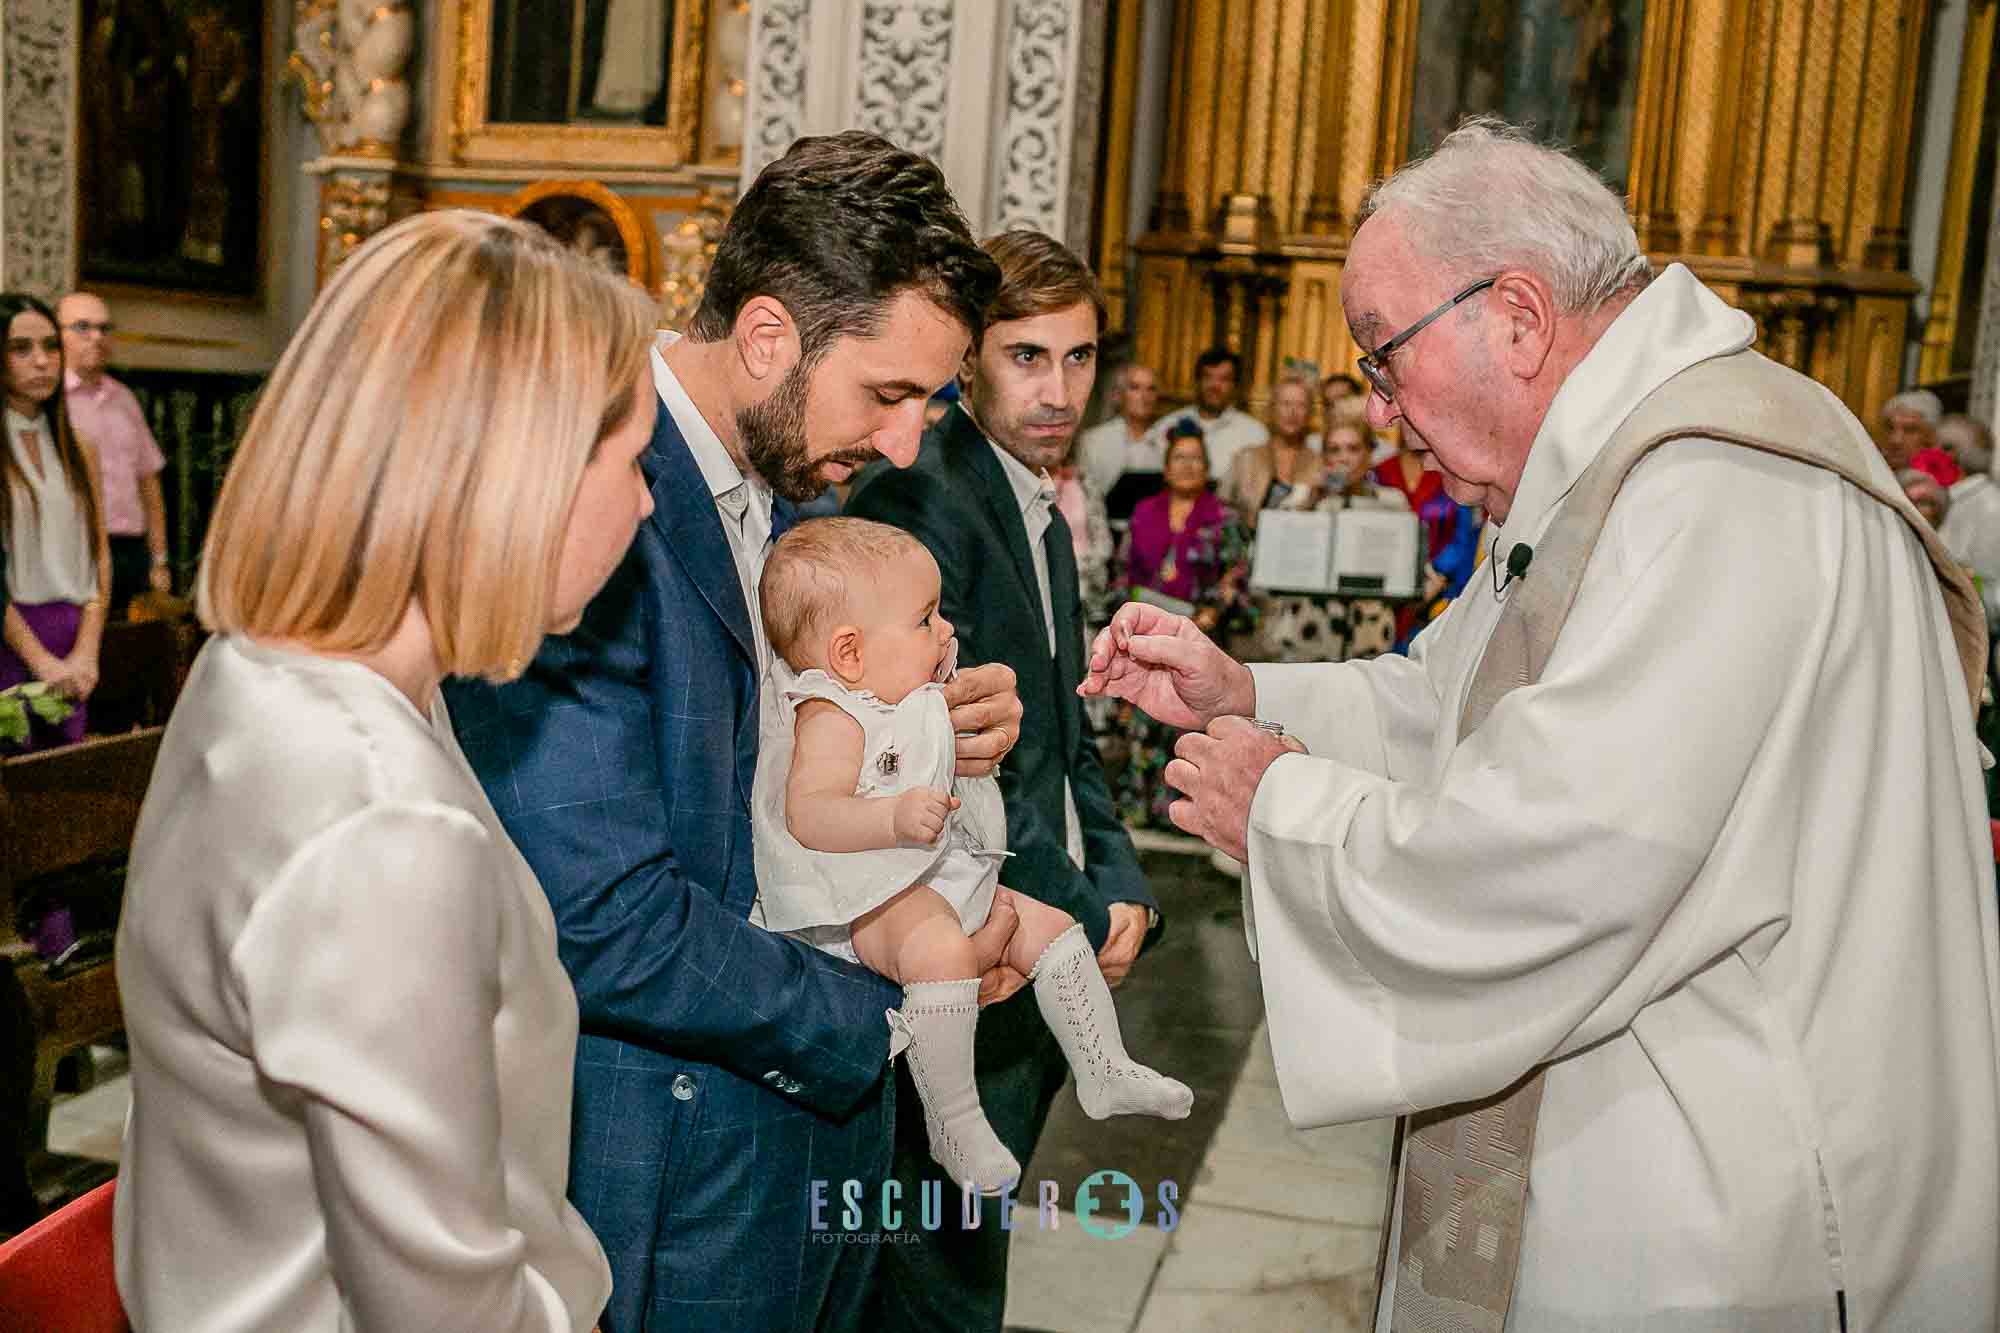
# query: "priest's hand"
[[1165, 664], [986, 715], [1219, 770]]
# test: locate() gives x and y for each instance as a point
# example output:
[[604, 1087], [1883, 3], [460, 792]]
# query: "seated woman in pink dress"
[[52, 528], [1187, 551]]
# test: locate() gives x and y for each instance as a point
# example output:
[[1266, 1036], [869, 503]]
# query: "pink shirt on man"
[[107, 415]]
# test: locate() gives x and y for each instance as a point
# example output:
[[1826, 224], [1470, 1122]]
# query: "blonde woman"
[[351, 1036]]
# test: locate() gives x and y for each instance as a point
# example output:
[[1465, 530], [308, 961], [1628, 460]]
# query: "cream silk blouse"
[[351, 1036]]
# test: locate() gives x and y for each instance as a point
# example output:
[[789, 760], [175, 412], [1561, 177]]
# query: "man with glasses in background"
[[105, 412]]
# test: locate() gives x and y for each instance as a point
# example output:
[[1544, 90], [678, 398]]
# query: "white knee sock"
[[1076, 1004], [941, 1017]]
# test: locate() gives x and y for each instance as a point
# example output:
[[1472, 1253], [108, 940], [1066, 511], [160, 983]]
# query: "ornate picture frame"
[[478, 140], [590, 219], [172, 146]]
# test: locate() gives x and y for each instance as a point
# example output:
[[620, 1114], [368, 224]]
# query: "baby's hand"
[[921, 813]]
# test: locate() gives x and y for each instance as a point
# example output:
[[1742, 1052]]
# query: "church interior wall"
[[1244, 133]]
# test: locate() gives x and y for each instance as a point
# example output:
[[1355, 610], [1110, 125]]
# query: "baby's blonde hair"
[[807, 580]]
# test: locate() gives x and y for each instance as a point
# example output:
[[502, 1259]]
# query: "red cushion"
[[58, 1275]]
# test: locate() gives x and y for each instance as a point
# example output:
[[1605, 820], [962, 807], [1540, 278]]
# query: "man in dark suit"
[[721, 1070], [979, 498]]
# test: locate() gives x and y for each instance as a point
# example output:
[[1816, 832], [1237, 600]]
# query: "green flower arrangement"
[[35, 697]]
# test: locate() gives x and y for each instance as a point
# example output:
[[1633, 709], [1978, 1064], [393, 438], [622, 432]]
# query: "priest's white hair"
[[1489, 198]]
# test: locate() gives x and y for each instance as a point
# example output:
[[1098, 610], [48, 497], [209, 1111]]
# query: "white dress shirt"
[[1037, 496], [1109, 450], [743, 502], [50, 554], [1971, 529]]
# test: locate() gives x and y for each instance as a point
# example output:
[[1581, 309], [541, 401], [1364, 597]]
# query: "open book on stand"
[[1355, 553]]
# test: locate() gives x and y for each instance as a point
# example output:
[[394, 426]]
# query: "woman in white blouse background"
[[51, 526], [351, 1036]]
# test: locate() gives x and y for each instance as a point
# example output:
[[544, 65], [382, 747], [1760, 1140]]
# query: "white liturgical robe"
[[1724, 865]]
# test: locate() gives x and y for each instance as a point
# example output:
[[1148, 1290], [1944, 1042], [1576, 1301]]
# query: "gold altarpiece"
[[1769, 149], [646, 193]]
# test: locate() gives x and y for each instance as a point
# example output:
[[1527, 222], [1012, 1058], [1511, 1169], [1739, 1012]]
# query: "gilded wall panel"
[[1768, 147], [1201, 108], [1878, 121], [1771, 182], [1843, 139], [1238, 40]]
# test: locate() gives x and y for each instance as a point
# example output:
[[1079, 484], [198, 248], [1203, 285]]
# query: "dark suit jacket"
[[956, 500], [718, 1065]]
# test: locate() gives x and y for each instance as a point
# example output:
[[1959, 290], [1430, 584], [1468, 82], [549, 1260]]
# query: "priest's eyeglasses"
[[1375, 365]]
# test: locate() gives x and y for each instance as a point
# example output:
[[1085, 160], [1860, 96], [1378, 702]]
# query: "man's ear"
[[1528, 308], [968, 368], [767, 341], [843, 654]]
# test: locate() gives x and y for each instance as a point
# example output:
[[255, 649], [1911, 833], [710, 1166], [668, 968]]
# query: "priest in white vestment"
[[1722, 870]]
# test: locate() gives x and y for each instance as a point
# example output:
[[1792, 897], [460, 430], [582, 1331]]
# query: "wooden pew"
[[141, 665], [67, 817]]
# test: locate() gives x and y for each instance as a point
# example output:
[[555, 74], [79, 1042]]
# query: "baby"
[[869, 849]]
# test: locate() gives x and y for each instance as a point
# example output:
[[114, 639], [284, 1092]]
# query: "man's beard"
[[773, 435]]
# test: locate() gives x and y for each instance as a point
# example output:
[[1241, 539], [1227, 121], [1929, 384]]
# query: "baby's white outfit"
[[817, 896]]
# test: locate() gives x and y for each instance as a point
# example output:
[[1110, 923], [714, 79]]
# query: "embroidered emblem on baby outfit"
[[886, 764]]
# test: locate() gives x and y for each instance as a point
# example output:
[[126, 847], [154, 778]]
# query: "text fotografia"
[[1108, 1204]]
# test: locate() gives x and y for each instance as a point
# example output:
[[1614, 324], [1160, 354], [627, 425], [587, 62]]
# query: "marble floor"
[[1276, 1228]]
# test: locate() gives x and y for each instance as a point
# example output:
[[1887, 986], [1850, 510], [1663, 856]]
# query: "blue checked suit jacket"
[[719, 1067]]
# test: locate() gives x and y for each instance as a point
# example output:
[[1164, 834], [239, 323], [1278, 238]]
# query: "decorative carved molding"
[[315, 55], [1032, 170], [353, 205], [36, 167], [777, 110], [685, 255], [350, 59], [905, 70], [376, 39]]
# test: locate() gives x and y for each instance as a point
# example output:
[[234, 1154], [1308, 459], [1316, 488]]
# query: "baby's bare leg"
[[915, 939], [1076, 1004]]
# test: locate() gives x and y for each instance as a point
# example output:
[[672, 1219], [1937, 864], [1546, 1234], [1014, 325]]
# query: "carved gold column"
[[1775, 135], [350, 58], [1280, 114], [1127, 29], [1949, 276]]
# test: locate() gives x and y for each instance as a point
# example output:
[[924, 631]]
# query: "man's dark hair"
[[1342, 377], [1216, 356], [834, 230]]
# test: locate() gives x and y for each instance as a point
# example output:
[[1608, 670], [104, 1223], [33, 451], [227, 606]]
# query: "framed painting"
[[170, 171], [590, 220], [1569, 68]]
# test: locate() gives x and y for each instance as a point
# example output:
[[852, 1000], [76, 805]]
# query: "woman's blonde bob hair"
[[424, 437]]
